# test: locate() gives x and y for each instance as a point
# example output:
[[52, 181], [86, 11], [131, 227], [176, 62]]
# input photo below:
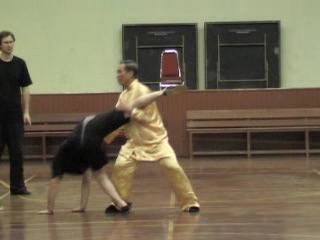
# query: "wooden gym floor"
[[261, 198]]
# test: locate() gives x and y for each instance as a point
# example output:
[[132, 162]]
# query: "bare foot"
[[121, 205], [46, 212], [78, 210]]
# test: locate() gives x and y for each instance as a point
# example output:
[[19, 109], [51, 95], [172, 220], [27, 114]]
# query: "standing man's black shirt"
[[14, 75]]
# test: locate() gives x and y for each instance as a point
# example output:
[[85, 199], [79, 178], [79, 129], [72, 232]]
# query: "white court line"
[[25, 181], [138, 222], [257, 234], [316, 171], [170, 230], [172, 200], [4, 195], [30, 178]]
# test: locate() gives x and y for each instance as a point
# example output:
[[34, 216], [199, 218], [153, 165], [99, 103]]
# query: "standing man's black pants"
[[12, 135]]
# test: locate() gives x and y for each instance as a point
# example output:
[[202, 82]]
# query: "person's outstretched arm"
[[140, 102], [147, 99], [52, 194]]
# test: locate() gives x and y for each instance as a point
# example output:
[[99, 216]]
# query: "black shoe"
[[126, 209], [111, 209], [23, 191], [194, 209]]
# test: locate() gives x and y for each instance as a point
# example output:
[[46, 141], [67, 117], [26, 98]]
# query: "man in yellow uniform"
[[147, 141]]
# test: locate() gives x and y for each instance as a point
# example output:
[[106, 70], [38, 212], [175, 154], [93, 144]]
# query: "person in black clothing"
[[14, 82], [85, 152]]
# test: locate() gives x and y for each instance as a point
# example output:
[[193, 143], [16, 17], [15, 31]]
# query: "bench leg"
[[307, 143], [191, 146], [44, 149], [248, 144]]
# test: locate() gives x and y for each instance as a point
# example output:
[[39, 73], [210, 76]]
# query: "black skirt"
[[75, 156], [85, 149]]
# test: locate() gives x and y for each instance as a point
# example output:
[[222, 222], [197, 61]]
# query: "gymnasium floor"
[[261, 198]]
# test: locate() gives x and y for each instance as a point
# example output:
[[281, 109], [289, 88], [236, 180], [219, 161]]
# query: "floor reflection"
[[17, 218]]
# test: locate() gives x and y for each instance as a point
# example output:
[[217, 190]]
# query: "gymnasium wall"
[[174, 109], [74, 46]]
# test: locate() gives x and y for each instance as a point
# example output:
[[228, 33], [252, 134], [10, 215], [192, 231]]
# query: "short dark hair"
[[131, 66], [4, 34]]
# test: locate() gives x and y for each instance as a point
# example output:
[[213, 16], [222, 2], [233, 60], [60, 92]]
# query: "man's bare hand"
[[27, 119]]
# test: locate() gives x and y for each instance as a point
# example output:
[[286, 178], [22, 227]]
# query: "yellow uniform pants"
[[125, 168]]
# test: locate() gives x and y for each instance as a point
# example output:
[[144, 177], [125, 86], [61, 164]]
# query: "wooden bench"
[[50, 126], [253, 121]]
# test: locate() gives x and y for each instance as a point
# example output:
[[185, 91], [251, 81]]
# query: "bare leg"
[[52, 194], [108, 187], [85, 191]]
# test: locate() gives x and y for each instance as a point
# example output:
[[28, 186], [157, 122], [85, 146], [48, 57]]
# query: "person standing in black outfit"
[[14, 111]]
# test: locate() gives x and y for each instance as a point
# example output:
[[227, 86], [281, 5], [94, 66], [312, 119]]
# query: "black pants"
[[12, 135]]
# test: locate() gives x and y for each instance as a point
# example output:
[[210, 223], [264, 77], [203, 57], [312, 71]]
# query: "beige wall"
[[75, 45]]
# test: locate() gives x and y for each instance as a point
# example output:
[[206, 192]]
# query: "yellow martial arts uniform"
[[148, 141]]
